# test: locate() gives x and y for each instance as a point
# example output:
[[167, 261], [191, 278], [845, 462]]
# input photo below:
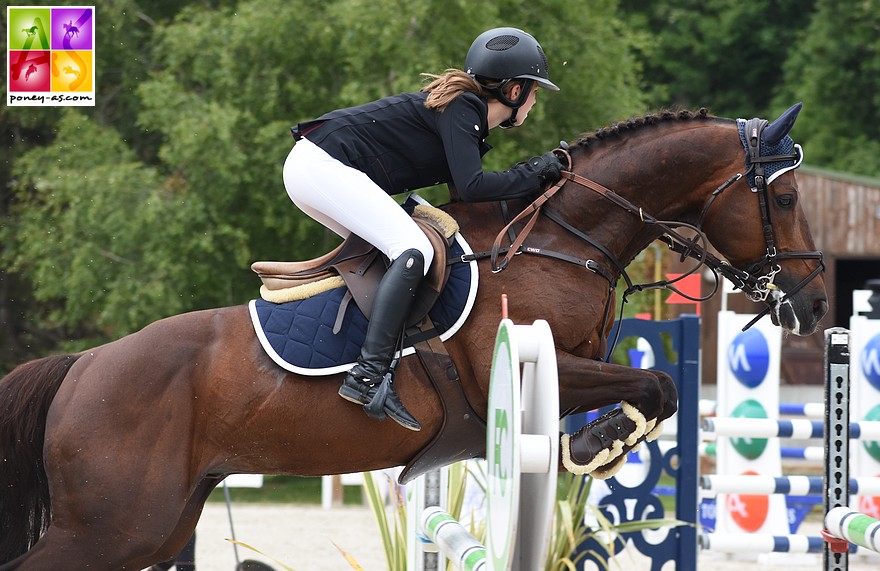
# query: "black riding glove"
[[548, 167]]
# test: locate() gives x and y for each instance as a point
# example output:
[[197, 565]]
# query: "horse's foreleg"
[[647, 398]]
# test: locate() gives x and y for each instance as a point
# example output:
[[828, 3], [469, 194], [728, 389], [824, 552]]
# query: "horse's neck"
[[665, 183]]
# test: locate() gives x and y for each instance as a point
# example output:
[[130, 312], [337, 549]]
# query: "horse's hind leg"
[[109, 547], [62, 548], [111, 510], [187, 523]]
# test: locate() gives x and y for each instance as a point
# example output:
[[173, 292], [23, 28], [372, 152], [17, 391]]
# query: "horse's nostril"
[[820, 307]]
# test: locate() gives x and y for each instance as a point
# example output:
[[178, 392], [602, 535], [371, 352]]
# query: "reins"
[[756, 287], [686, 247]]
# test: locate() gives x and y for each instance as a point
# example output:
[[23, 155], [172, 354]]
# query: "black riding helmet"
[[501, 55]]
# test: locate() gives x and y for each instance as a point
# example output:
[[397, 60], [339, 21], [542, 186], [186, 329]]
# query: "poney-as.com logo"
[[50, 54]]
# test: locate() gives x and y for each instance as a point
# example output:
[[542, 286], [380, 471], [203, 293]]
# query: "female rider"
[[346, 165]]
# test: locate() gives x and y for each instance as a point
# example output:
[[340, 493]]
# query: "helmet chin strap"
[[510, 122], [497, 92]]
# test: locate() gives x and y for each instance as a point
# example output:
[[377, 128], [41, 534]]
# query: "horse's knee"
[[669, 395], [651, 394]]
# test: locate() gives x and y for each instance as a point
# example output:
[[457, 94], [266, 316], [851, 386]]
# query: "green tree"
[[156, 201], [722, 54], [835, 71], [122, 38]]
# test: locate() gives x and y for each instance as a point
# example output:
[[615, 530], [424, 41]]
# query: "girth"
[[462, 433]]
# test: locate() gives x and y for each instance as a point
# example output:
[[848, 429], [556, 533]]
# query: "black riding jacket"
[[402, 146]]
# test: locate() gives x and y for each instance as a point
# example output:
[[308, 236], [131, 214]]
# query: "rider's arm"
[[463, 128]]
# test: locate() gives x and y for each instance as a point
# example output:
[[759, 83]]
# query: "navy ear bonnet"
[[774, 141]]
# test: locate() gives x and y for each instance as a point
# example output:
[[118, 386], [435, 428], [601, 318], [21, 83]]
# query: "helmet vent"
[[544, 65], [501, 43]]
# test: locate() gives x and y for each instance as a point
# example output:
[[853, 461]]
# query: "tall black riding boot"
[[370, 381]]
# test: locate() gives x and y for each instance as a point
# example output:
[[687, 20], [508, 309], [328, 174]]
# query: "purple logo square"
[[72, 29]]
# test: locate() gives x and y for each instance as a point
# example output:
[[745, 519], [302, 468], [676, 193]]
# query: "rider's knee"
[[424, 246]]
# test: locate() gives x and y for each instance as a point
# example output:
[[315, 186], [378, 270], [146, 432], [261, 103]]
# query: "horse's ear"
[[774, 132]]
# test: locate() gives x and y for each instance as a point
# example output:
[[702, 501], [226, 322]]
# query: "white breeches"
[[346, 200]]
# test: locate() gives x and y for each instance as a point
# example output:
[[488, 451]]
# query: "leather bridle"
[[757, 284], [761, 286]]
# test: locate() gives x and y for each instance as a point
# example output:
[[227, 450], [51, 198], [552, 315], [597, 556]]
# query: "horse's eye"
[[785, 200]]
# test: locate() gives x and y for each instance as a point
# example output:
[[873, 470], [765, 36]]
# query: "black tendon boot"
[[370, 381]]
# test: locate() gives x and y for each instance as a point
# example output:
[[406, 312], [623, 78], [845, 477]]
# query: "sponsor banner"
[[865, 402], [748, 387]]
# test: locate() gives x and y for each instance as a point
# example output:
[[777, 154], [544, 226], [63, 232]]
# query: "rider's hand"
[[547, 166]]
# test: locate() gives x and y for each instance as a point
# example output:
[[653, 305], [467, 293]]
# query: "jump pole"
[[786, 485], [853, 526], [453, 539], [798, 428], [522, 449]]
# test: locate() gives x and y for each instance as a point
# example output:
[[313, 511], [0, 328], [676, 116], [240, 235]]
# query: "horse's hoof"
[[573, 465], [653, 430], [638, 418], [613, 467]]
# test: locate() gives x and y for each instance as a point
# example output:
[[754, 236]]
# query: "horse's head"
[[759, 226], [687, 168]]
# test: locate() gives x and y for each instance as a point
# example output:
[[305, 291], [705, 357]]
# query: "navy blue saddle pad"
[[299, 336]]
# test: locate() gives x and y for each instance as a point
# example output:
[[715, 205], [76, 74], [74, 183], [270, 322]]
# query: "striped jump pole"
[[855, 527], [808, 453], [788, 485], [760, 543], [453, 539], [709, 407], [808, 409], [798, 428]]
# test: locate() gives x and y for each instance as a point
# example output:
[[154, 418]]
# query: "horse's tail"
[[25, 396]]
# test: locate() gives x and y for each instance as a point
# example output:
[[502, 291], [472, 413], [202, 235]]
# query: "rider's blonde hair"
[[443, 89]]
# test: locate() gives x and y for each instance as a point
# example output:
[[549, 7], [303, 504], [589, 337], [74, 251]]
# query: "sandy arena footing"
[[305, 538]]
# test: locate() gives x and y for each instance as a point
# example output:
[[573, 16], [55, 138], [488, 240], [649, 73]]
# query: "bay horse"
[[108, 455]]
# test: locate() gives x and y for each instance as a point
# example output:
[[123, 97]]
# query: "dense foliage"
[[155, 201]]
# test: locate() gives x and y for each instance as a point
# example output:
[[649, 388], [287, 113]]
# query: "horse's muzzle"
[[800, 313]]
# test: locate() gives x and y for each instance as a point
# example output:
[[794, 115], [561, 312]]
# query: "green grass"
[[307, 491], [286, 490]]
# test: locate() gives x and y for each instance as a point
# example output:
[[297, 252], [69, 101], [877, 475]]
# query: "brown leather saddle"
[[358, 265]]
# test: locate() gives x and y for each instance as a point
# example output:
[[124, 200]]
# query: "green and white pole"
[[462, 548], [853, 526]]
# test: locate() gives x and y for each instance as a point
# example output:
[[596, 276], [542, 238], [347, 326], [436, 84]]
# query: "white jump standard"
[[522, 451]]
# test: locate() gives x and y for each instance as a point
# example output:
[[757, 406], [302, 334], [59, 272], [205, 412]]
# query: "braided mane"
[[638, 122]]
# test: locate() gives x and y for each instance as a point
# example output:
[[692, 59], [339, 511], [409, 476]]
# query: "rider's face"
[[527, 106]]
